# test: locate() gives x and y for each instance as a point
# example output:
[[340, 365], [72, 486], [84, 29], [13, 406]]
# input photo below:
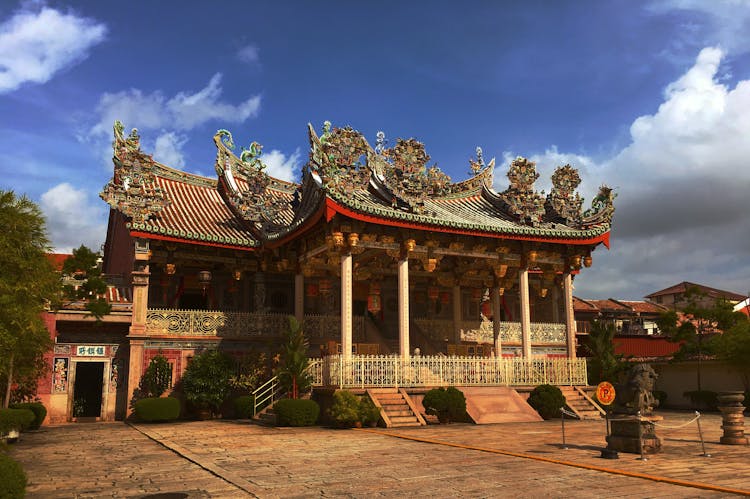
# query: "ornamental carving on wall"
[[520, 197], [133, 190], [245, 180], [562, 200]]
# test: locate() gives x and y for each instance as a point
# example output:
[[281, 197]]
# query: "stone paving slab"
[[237, 459]]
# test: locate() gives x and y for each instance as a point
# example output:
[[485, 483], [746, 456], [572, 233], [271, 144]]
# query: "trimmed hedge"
[[243, 406], [345, 409], [12, 478], [15, 419], [40, 412], [547, 401], [296, 412], [702, 399], [368, 411], [158, 409], [448, 404]]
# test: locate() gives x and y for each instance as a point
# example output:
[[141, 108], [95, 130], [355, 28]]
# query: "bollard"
[[562, 423], [640, 438], [700, 433]]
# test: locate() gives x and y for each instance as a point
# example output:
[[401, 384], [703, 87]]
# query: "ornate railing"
[[244, 324], [481, 331], [329, 326], [214, 323], [393, 371]]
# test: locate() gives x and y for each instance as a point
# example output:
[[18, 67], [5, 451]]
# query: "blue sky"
[[650, 97]]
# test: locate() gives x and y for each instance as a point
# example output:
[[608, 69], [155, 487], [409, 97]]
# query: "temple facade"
[[379, 254]]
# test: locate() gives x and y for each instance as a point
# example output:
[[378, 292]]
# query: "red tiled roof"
[[644, 307], [581, 305], [609, 304], [645, 346], [57, 260], [684, 286]]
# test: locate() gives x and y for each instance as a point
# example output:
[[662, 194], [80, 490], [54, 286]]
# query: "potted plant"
[[206, 382]]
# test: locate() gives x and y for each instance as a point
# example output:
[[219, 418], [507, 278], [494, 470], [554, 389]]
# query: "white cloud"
[[681, 210], [168, 149], [184, 111], [249, 53], [280, 166], [34, 46], [72, 219]]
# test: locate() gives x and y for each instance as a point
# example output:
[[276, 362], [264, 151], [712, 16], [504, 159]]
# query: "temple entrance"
[[87, 391]]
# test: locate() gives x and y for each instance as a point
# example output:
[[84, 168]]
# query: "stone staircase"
[[581, 403], [396, 408]]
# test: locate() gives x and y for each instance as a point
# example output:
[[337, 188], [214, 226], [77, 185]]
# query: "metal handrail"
[[265, 394]]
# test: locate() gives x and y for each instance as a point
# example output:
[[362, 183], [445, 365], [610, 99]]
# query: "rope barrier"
[[569, 414]]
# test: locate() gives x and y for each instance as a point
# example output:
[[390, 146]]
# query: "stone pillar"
[[496, 322], [523, 281], [403, 307], [570, 320], [456, 314], [346, 305], [137, 332], [259, 296], [299, 298]]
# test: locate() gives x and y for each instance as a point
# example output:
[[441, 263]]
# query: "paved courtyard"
[[237, 459]]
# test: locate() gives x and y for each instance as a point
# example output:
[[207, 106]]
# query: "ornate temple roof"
[[245, 207]]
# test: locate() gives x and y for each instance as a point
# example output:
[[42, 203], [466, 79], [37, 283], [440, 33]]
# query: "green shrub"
[[448, 404], [243, 406], [40, 412], [15, 419], [206, 380], [369, 413], [157, 378], [344, 411], [702, 399], [12, 478], [547, 401], [296, 412], [661, 396], [158, 409]]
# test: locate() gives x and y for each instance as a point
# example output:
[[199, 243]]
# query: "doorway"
[[87, 391]]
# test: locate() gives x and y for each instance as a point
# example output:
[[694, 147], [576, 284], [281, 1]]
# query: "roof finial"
[[380, 142]]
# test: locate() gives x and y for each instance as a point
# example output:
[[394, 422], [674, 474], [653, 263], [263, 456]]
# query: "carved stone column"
[[496, 322], [137, 332], [259, 297], [457, 314], [570, 321], [299, 297], [346, 305], [523, 281], [403, 306]]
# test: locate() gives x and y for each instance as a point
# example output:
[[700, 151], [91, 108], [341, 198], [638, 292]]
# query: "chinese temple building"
[[379, 254]]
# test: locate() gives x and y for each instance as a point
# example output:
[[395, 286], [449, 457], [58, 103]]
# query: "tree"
[[293, 373], [691, 329], [604, 363], [733, 347], [83, 267], [27, 283]]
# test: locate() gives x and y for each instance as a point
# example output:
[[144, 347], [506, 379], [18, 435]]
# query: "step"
[[393, 413], [399, 425], [404, 419]]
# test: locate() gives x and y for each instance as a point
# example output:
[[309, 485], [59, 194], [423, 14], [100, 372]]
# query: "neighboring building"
[[674, 297], [628, 317], [375, 252], [743, 307]]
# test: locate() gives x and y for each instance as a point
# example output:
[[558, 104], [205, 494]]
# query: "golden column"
[[137, 333], [570, 321], [523, 280]]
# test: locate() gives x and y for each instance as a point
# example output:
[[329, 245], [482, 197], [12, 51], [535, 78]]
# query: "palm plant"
[[292, 372]]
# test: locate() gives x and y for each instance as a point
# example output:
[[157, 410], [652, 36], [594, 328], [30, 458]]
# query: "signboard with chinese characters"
[[91, 350]]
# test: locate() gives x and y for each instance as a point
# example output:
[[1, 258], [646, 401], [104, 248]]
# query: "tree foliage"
[[83, 267], [27, 283], [603, 364], [734, 348], [693, 329], [292, 372]]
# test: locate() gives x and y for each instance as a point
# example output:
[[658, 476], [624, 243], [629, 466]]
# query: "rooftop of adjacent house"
[[709, 291], [57, 260], [611, 305], [645, 347], [244, 207]]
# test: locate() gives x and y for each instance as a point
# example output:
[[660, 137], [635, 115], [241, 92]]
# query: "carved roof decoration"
[[389, 184], [132, 189], [563, 201], [252, 201], [522, 200]]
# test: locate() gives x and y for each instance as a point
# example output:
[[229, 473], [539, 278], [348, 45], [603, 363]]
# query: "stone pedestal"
[[630, 434], [733, 420]]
